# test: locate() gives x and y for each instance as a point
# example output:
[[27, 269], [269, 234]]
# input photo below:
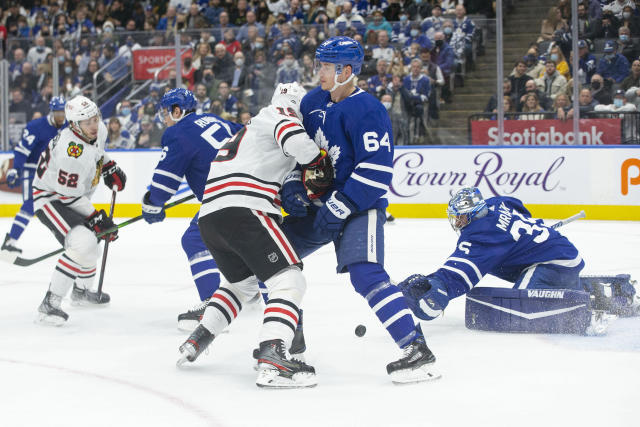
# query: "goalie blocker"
[[555, 311]]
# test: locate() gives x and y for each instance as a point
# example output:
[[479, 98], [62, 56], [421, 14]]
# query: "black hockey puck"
[[361, 330]]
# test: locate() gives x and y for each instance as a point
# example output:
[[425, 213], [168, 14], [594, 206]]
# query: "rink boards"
[[555, 181]]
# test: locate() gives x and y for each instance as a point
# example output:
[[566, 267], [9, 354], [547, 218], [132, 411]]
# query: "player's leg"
[[23, 217], [78, 259], [360, 251], [551, 276], [204, 271]]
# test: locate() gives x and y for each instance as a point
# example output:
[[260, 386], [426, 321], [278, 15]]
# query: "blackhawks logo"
[[74, 150]]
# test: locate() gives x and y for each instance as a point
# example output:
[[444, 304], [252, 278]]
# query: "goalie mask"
[[466, 204], [289, 95]]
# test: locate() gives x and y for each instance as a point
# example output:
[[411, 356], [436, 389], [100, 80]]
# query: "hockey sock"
[[223, 307], [281, 313], [20, 222], [65, 274], [386, 301], [205, 273]]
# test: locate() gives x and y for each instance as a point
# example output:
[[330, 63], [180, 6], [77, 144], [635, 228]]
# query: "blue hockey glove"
[[13, 178], [294, 195], [152, 213], [426, 295], [333, 213]]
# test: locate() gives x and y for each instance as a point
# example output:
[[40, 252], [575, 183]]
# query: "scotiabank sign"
[[546, 132], [146, 61]]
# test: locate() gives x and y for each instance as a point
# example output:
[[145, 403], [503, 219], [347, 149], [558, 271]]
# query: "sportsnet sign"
[[146, 61], [546, 132]]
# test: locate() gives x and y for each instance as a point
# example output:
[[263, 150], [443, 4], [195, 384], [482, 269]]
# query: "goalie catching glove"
[[113, 176], [99, 222], [317, 176], [426, 295]]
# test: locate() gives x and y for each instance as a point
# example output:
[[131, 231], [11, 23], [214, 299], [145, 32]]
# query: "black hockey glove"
[[99, 222], [114, 177], [317, 176]]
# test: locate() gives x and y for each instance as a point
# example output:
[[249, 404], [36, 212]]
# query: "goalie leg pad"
[[554, 311], [617, 294]]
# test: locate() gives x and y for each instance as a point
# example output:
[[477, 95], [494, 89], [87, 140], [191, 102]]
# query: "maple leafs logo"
[[333, 152]]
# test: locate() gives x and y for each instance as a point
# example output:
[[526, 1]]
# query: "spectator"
[[416, 10], [492, 105], [244, 117], [467, 27], [551, 24], [20, 105], [613, 66], [534, 65], [168, 22], [116, 69], [455, 39], [626, 47], [38, 53], [286, 39], [15, 68], [222, 63], [631, 21], [433, 24], [562, 66], [586, 102], [310, 78], [261, 81], [620, 104], [203, 101], [552, 82], [617, 6], [508, 106], [601, 90], [383, 50], [532, 88], [87, 78], [310, 41], [519, 80], [243, 33], [238, 75], [633, 79], [230, 43], [289, 71], [419, 88], [561, 106], [118, 138], [209, 77], [586, 63], [28, 80], [377, 84], [128, 117], [607, 27], [223, 25], [415, 36], [400, 111], [188, 72], [228, 101], [436, 78], [212, 12], [444, 57], [149, 135], [379, 23], [586, 24], [348, 18], [633, 96], [401, 29]]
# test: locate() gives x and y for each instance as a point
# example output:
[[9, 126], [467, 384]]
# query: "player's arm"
[[21, 152]]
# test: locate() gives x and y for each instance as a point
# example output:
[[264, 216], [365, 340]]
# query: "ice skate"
[[276, 369], [416, 364], [297, 349], [85, 297], [197, 342], [190, 320], [49, 312]]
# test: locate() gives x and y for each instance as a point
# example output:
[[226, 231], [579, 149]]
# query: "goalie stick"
[[566, 221], [25, 262]]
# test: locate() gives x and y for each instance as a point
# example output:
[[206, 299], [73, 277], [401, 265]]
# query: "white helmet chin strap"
[[336, 84], [178, 119]]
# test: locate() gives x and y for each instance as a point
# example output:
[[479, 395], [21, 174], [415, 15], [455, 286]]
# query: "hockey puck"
[[360, 330]]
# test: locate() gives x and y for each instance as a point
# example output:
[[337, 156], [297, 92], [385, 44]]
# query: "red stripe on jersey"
[[240, 184], [226, 301], [52, 215], [283, 311], [77, 270], [281, 238], [285, 127], [38, 192]]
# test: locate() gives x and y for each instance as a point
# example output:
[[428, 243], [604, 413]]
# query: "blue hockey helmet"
[[341, 51], [466, 204], [183, 98], [57, 103]]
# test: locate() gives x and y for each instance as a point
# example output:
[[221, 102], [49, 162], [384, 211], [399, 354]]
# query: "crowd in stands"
[[240, 51], [541, 84]]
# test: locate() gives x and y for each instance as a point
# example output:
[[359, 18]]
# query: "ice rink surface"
[[115, 366]]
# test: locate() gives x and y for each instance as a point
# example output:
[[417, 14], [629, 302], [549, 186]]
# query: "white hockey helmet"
[[289, 95], [78, 109]]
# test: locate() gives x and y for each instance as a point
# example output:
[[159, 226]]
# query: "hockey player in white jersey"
[[239, 223], [67, 175]]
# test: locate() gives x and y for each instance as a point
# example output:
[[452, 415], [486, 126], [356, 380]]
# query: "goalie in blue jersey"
[[353, 127], [499, 237], [189, 145]]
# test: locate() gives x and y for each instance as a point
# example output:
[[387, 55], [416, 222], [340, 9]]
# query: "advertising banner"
[[546, 132], [146, 61]]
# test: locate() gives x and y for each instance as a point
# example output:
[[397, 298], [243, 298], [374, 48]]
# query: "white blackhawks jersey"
[[69, 170], [250, 168]]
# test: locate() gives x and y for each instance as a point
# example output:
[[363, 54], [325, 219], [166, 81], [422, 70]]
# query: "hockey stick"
[[24, 262], [106, 246], [566, 221]]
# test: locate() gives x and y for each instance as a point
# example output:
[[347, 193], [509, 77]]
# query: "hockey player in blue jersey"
[[189, 145], [35, 138], [354, 128]]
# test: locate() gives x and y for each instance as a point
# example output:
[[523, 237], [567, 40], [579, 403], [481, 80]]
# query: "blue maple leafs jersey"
[[356, 133], [35, 138], [503, 243], [188, 148]]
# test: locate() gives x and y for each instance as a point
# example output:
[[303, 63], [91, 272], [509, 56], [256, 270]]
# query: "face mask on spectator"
[[418, 1], [609, 56], [68, 70], [61, 58], [129, 42], [624, 38], [554, 57], [125, 111], [40, 49], [239, 62], [595, 85], [306, 7], [626, 15], [321, 36], [617, 102], [414, 33], [439, 43], [259, 45], [403, 18], [448, 30], [288, 62], [386, 104]]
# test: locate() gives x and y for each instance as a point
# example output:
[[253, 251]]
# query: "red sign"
[[147, 61], [546, 132]]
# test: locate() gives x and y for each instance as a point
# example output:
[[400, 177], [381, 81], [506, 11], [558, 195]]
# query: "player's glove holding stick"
[[113, 176], [98, 221]]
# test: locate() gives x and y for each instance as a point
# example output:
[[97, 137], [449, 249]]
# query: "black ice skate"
[[190, 320], [9, 245], [277, 370], [81, 296], [298, 345], [415, 365], [49, 312], [197, 342]]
